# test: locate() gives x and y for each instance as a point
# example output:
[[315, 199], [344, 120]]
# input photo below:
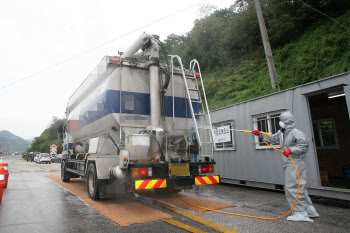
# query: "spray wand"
[[248, 131], [245, 131]]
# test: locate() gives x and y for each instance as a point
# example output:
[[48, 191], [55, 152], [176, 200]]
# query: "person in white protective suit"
[[295, 144]]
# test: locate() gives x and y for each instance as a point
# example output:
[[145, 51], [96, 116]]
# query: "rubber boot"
[[300, 217], [311, 212]]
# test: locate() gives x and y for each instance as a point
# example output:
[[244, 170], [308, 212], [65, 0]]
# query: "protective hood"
[[288, 119]]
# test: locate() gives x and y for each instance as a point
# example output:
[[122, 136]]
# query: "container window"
[[269, 123]]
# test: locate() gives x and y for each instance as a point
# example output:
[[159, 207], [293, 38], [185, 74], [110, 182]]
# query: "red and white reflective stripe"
[[150, 184], [6, 168], [2, 177], [207, 180]]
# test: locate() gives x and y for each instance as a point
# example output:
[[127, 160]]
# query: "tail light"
[[206, 169], [41, 157], [142, 172]]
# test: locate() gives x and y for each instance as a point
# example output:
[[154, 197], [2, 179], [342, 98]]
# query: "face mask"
[[283, 126]]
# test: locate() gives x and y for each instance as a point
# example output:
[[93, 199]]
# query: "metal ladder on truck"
[[203, 131]]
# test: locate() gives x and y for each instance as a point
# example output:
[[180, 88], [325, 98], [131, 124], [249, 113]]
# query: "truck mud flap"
[[111, 189]]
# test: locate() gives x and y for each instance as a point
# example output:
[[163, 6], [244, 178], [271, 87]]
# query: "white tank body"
[[118, 95]]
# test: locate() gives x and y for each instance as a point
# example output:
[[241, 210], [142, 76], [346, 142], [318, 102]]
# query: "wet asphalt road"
[[33, 203]]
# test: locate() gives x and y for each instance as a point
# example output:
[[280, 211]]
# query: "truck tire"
[[64, 174], [93, 188]]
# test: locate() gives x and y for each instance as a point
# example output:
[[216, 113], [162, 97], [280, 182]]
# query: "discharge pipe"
[[154, 84], [137, 45], [148, 42]]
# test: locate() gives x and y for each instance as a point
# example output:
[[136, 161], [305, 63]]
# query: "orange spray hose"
[[248, 216]]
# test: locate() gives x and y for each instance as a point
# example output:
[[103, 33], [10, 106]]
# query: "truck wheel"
[[91, 182], [64, 174]]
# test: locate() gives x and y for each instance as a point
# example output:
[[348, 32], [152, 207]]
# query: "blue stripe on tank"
[[70, 146], [182, 108], [132, 103]]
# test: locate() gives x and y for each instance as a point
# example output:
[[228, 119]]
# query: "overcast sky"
[[38, 34]]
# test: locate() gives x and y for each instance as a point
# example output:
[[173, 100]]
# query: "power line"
[[324, 15], [80, 54]]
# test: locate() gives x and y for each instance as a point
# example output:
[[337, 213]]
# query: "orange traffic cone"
[[5, 166], [2, 182]]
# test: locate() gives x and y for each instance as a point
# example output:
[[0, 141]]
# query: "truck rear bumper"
[[177, 183]]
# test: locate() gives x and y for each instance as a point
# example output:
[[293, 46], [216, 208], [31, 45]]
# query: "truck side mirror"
[[60, 131]]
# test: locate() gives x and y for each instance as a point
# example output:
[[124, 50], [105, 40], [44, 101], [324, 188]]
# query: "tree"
[[48, 137], [224, 36]]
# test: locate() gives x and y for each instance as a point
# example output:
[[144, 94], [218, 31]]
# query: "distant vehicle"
[[36, 158], [31, 156], [43, 158], [16, 153], [56, 159]]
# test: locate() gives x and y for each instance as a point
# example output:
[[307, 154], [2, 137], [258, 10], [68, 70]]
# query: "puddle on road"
[[117, 210], [174, 200], [138, 205]]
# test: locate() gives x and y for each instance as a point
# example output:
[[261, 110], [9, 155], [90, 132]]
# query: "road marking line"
[[196, 218], [183, 226], [47, 170], [32, 170], [15, 171], [34, 166]]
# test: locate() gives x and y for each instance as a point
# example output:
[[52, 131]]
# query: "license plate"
[[179, 169]]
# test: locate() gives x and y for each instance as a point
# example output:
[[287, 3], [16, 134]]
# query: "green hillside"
[[318, 53], [306, 45], [12, 142], [48, 137]]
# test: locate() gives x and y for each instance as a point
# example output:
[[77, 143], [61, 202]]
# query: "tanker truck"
[[129, 124]]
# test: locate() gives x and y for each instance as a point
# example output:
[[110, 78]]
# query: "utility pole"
[[267, 48]]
